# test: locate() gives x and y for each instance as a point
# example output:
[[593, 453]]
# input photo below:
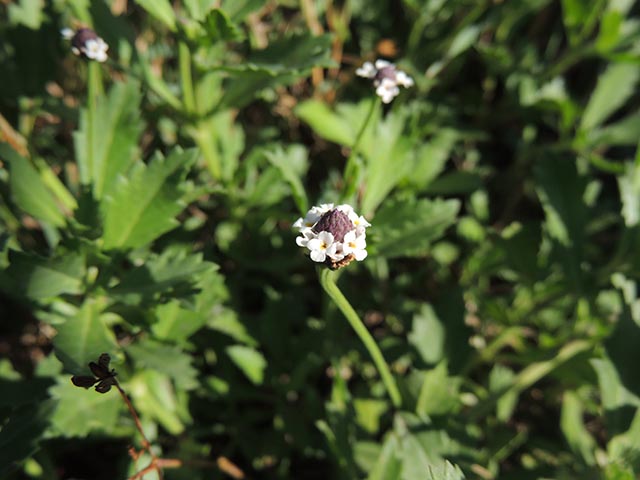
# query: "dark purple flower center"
[[82, 36], [386, 72], [335, 222]]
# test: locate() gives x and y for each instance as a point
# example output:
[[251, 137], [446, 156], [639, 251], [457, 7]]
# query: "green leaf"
[[27, 12], [37, 277], [407, 227], [172, 271], [292, 164], [439, 392], [143, 204], [250, 361], [218, 27], [388, 465], [161, 10], [83, 337], [561, 192], [389, 159], [154, 396], [198, 8], [293, 53], [614, 88], [80, 412], [21, 434], [432, 157], [175, 323], [28, 190], [629, 186], [328, 124], [166, 359], [369, 412], [428, 335], [574, 430], [500, 379], [113, 135]]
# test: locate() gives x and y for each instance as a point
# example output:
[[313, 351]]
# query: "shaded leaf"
[[38, 277], [407, 228], [28, 190], [249, 360]]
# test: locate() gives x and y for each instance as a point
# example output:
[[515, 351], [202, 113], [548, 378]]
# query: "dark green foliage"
[[146, 211]]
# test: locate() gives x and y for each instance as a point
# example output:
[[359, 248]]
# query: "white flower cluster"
[[333, 235], [86, 43], [386, 78]]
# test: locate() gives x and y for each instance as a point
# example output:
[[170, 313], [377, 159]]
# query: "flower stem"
[[351, 168], [328, 282]]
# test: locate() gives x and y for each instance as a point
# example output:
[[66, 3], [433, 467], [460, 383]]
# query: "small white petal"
[[67, 33], [298, 223], [380, 64], [318, 255], [367, 70], [360, 255], [404, 79]]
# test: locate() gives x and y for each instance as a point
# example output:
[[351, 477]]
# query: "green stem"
[[328, 282], [351, 167], [184, 58], [94, 90]]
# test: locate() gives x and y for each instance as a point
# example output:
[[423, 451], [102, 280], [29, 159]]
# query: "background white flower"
[[386, 78]]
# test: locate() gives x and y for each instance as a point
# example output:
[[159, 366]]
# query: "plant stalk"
[[328, 282]]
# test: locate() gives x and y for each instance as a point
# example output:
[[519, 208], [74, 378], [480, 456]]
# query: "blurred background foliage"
[[146, 212]]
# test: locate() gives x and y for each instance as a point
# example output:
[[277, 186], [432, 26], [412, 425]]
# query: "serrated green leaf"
[[407, 228], [38, 277], [218, 27], [113, 135], [250, 361], [143, 204], [161, 10], [172, 271], [83, 337], [80, 412], [28, 190], [166, 359], [176, 324], [614, 87]]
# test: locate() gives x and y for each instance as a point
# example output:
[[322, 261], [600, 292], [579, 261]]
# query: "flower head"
[[386, 78], [333, 235], [86, 43]]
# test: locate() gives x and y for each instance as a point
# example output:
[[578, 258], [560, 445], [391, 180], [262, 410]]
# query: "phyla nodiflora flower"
[[386, 78], [86, 43], [333, 235]]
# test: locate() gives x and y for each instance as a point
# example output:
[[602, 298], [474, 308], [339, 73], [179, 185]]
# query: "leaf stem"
[[351, 168], [328, 282], [186, 79]]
